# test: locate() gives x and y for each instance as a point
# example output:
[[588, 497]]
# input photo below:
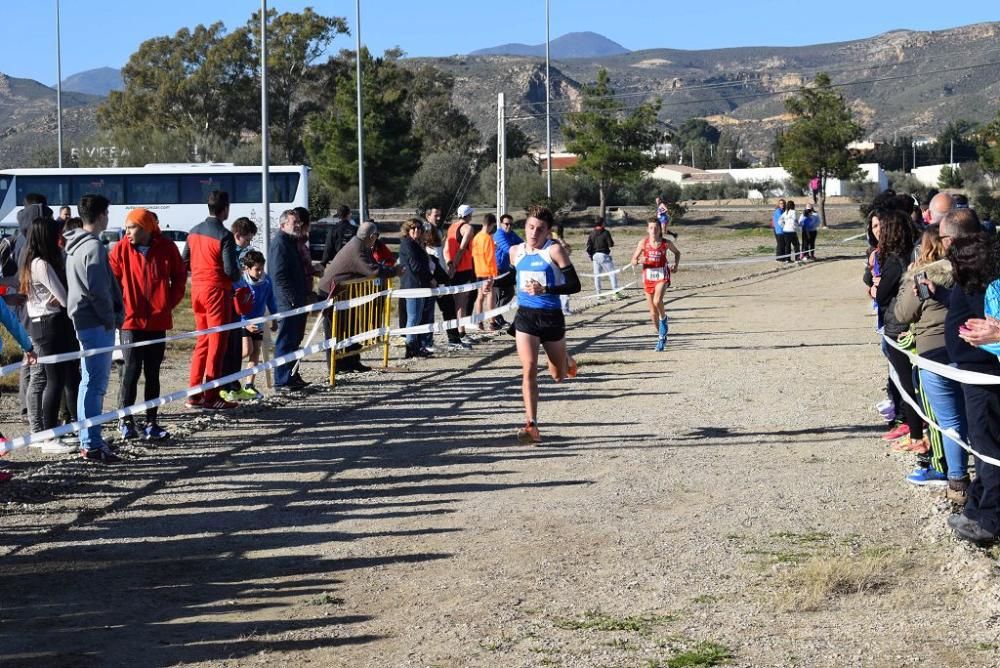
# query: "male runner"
[[652, 254], [543, 273]]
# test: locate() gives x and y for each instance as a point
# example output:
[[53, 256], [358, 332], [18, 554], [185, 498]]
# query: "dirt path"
[[728, 497]]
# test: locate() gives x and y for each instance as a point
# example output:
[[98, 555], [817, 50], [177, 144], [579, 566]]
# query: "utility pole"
[[548, 116], [952, 159], [59, 88], [265, 158], [362, 204], [501, 156]]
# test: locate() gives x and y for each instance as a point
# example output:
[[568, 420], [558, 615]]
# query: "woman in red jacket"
[[153, 279]]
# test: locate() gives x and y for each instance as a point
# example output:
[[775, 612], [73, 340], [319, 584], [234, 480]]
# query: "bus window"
[[152, 189], [112, 187], [195, 189], [4, 186], [246, 188], [54, 188]]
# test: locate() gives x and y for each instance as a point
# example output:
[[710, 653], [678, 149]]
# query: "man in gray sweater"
[[95, 305]]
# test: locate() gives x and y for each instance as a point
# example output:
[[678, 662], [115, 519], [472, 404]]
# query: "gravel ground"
[[727, 499]]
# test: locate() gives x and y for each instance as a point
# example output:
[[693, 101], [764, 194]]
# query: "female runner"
[[652, 254], [544, 272]]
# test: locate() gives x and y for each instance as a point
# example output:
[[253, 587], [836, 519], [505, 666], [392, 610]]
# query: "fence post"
[[386, 322], [333, 348]]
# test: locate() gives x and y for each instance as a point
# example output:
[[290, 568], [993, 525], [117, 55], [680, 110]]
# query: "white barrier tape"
[[442, 326], [318, 306], [966, 377], [414, 293], [609, 292], [950, 433], [607, 273], [336, 344], [48, 434]]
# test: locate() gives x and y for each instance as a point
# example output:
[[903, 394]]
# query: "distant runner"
[[544, 272], [663, 216], [651, 253]]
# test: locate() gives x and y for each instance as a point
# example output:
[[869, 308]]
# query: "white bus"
[[178, 193]]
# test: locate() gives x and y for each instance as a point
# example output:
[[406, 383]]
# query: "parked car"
[[179, 237], [110, 237]]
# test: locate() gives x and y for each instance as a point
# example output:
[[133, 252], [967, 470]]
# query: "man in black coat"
[[339, 234], [289, 279]]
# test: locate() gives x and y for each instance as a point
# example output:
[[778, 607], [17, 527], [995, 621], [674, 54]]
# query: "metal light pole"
[[59, 87], [264, 148], [501, 156], [362, 204], [548, 116], [265, 162]]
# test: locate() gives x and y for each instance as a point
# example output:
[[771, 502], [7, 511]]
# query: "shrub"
[[950, 177]]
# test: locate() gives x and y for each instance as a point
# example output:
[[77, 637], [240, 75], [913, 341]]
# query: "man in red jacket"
[[212, 256], [153, 278]]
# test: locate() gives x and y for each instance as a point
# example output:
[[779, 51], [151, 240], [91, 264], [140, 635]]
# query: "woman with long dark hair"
[[895, 246], [43, 280]]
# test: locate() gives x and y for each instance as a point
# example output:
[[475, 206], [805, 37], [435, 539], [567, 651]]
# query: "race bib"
[[655, 274], [526, 276]]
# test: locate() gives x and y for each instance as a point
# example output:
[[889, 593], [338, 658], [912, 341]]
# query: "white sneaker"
[[467, 340], [430, 349], [56, 447]]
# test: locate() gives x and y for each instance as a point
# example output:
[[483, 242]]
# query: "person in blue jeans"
[[416, 274], [288, 277], [943, 398], [94, 303]]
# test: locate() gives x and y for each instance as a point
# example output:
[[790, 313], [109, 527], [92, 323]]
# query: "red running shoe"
[[898, 432]]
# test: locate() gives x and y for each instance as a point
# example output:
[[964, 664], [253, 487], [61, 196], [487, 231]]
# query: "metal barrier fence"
[[357, 320]]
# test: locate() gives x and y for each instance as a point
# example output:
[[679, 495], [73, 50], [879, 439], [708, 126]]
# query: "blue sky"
[[98, 33]]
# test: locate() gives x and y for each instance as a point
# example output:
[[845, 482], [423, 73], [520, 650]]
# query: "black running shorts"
[[547, 324]]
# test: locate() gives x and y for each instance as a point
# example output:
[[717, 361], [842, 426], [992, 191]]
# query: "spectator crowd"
[[933, 275], [66, 293]]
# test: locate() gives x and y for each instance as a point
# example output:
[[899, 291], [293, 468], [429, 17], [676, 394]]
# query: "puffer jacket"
[[928, 316]]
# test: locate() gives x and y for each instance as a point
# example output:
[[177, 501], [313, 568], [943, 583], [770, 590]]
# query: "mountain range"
[[901, 82], [570, 45]]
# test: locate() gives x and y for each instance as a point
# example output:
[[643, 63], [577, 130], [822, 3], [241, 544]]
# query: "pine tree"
[[612, 146], [815, 144]]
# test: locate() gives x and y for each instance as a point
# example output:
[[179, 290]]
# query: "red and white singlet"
[[654, 263]]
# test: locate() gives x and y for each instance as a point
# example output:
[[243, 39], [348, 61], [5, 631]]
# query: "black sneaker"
[[102, 455], [968, 529]]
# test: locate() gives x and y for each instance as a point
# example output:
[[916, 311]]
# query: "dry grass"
[[820, 581]]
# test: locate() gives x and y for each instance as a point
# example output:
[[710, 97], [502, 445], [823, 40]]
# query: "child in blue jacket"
[[260, 285]]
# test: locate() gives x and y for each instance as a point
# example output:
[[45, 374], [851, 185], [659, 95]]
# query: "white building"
[[929, 174]]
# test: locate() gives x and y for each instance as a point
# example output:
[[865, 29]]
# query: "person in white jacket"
[[790, 233]]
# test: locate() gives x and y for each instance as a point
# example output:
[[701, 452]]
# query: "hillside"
[[736, 87], [28, 126]]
